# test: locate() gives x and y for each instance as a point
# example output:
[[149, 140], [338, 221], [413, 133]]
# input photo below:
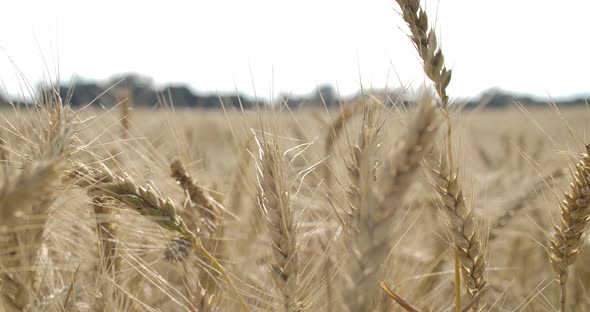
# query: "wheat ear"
[[210, 214], [519, 202], [368, 237], [199, 197], [399, 170], [30, 187], [275, 204], [568, 237], [426, 44], [360, 152], [125, 97], [145, 201], [336, 129], [32, 193], [463, 227]]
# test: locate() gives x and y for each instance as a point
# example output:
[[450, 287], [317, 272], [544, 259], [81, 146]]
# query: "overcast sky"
[[530, 46]]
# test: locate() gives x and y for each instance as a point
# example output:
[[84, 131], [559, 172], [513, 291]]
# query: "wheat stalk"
[[399, 300], [275, 204], [463, 227], [210, 214], [358, 167], [31, 193], [106, 229], [426, 44], [125, 97], [369, 231], [568, 237]]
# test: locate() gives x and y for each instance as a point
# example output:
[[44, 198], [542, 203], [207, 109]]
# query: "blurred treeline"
[[142, 91]]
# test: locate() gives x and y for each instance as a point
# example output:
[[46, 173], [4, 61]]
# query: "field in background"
[[514, 167]]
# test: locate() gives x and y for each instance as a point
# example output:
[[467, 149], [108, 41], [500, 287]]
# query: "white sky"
[[530, 46]]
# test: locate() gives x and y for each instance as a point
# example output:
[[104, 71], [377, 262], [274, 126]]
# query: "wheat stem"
[[399, 300]]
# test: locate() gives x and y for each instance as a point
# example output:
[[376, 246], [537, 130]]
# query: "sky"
[[538, 47]]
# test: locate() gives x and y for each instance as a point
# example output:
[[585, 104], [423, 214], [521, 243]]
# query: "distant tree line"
[[144, 93], [499, 98]]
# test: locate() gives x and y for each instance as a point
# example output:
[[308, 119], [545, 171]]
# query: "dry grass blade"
[[399, 300], [568, 237]]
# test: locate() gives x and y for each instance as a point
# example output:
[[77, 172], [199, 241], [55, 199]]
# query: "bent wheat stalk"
[[209, 215], [145, 201]]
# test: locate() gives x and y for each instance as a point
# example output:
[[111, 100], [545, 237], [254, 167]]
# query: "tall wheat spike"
[[373, 215], [125, 97], [426, 43], [363, 270], [30, 194], [275, 204], [569, 235]]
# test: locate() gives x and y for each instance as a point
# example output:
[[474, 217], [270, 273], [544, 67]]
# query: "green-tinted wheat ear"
[[145, 201]]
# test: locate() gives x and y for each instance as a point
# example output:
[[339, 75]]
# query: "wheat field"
[[370, 207]]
